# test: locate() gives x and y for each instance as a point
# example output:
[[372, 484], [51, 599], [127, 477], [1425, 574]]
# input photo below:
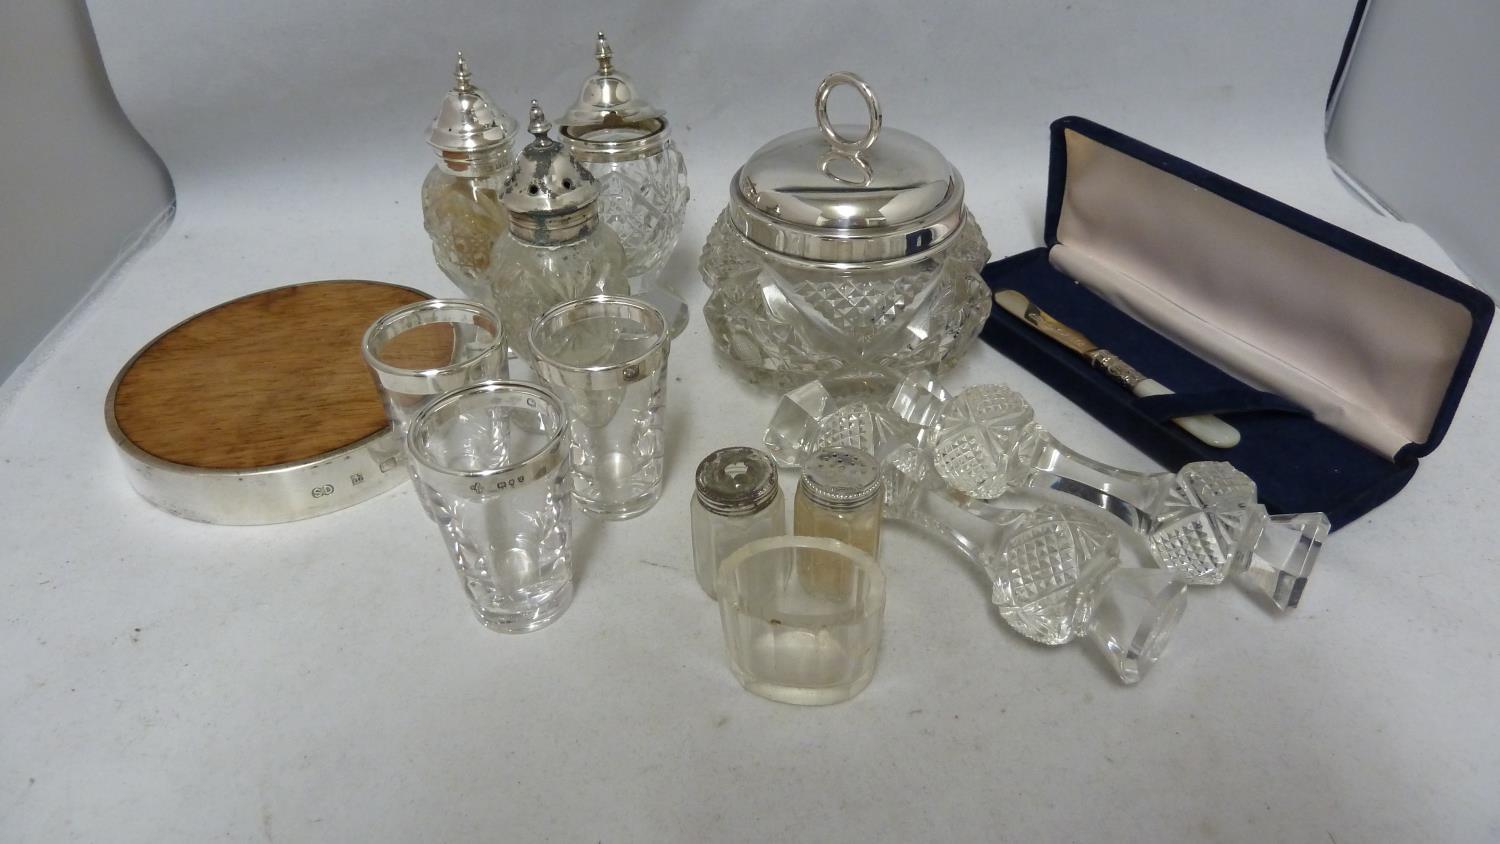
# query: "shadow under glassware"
[[494, 458], [792, 644], [606, 356], [420, 351]]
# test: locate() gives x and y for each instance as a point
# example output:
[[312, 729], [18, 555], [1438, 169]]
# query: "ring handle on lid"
[[841, 144]]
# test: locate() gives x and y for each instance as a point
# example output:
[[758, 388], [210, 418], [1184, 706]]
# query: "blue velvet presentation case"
[[1341, 362]]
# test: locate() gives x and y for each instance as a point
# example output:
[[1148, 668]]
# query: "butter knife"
[[1210, 429]]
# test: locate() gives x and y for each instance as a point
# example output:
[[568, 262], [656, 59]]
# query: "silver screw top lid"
[[546, 180], [844, 194], [736, 481], [841, 478], [467, 122]]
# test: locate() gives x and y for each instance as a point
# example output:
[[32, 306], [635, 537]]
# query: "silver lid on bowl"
[[842, 195]]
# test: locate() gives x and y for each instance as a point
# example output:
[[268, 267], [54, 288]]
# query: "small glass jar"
[[839, 497], [737, 500], [461, 195], [556, 249], [623, 138]]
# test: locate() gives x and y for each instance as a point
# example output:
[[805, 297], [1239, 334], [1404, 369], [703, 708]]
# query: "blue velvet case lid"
[[1299, 463]]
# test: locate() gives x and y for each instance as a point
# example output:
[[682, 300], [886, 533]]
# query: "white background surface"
[[322, 680]]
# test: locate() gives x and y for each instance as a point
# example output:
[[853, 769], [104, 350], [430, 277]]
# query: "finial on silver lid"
[[461, 75], [604, 54], [538, 125]]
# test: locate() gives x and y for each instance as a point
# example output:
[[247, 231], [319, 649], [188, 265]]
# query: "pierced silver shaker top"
[[613, 117], [547, 189], [469, 130]]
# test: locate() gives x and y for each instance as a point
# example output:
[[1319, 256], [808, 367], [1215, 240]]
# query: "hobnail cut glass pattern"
[[871, 412], [463, 217], [1038, 573], [524, 280], [643, 200], [1208, 523], [986, 440], [784, 323], [865, 426]]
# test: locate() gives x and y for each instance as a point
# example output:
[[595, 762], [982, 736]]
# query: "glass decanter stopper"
[[1203, 523], [555, 248], [1055, 571], [461, 195], [736, 500], [623, 138]]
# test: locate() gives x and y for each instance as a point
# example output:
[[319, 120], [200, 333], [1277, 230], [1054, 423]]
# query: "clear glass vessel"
[[625, 141], [461, 195], [606, 356], [840, 252], [736, 500], [1203, 523], [494, 456], [1055, 571], [421, 351], [795, 645], [555, 249], [839, 497]]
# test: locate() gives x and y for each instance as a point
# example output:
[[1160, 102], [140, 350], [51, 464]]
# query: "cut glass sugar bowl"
[[844, 248]]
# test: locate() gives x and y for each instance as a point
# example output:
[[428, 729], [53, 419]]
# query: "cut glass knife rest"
[[1047, 525]]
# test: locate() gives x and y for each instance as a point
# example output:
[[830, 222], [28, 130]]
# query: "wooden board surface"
[[271, 378]]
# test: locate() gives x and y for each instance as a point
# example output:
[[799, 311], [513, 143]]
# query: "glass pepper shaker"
[[555, 248], [625, 141], [737, 500], [461, 194], [839, 497]]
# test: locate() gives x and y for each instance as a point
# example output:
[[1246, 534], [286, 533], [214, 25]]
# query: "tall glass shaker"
[[736, 500], [461, 195], [555, 248], [624, 140]]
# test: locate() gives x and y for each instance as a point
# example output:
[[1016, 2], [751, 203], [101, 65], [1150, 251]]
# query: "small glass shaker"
[[555, 249], [737, 500], [461, 195], [839, 497], [624, 139]]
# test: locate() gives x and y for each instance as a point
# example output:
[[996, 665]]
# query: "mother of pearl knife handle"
[[1210, 429]]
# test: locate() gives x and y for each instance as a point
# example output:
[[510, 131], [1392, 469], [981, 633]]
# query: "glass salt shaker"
[[461, 194], [624, 139], [839, 497], [737, 500], [555, 248]]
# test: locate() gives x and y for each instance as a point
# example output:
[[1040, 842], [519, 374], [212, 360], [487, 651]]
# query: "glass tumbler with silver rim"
[[420, 351], [606, 356], [494, 456], [461, 195], [555, 249], [844, 249], [624, 139], [736, 500]]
